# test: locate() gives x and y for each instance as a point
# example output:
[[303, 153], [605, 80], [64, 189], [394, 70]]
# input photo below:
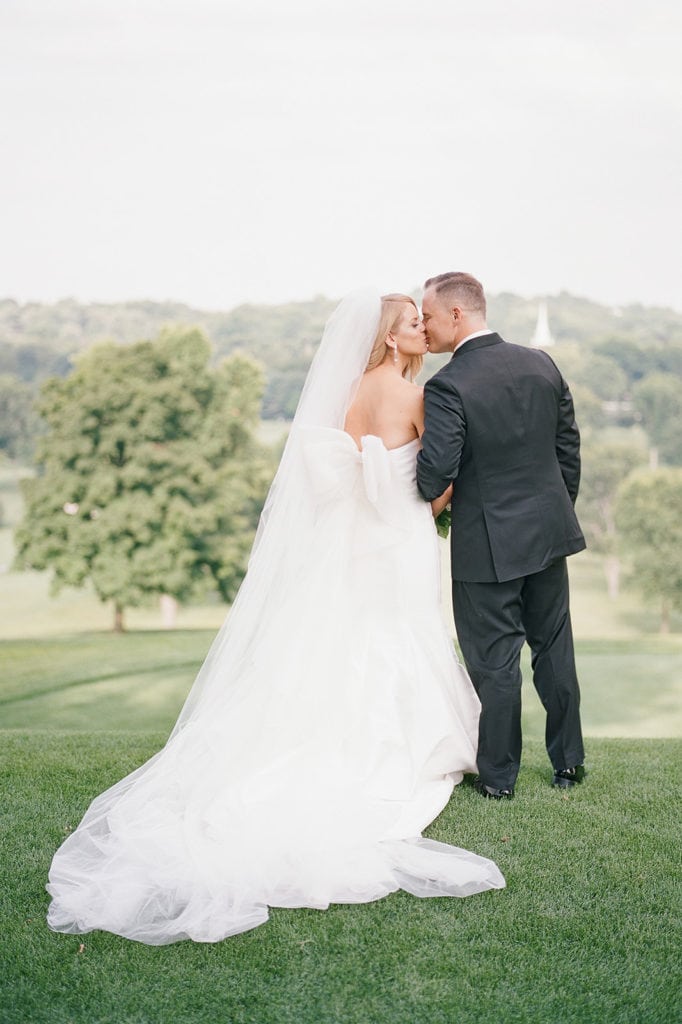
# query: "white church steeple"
[[542, 338]]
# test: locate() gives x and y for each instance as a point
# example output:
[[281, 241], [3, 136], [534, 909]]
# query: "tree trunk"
[[118, 618], [612, 570], [169, 610], [653, 458], [665, 616]]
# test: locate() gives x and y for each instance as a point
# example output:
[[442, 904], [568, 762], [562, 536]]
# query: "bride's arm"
[[439, 503]]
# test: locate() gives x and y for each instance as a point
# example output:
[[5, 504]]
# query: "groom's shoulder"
[[525, 354], [528, 356], [499, 353], [443, 376]]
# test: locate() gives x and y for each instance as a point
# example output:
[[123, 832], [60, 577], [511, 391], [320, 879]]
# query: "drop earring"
[[395, 355]]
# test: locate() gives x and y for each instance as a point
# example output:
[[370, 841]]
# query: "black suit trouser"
[[493, 620]]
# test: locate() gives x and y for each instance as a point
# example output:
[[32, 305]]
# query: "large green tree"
[[149, 479], [649, 520]]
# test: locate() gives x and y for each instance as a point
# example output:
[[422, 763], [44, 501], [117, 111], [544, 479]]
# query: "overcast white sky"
[[222, 151]]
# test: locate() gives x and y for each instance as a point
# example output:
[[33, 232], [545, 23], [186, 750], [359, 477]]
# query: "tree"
[[604, 377], [32, 362], [658, 400], [597, 385], [19, 423], [589, 409], [649, 518], [604, 468], [639, 360], [149, 479]]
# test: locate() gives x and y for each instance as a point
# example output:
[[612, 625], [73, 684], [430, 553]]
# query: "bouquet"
[[443, 522]]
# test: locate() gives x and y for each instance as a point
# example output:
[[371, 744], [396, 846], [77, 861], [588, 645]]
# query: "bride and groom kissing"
[[331, 719]]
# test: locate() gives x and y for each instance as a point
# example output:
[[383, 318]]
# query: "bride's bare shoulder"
[[377, 386], [416, 391], [408, 387]]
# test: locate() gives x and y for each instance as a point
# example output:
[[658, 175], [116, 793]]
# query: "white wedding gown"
[[309, 779]]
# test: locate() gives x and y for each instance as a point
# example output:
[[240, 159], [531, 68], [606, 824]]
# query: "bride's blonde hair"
[[392, 307]]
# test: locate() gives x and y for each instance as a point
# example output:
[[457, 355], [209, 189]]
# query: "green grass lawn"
[[587, 931], [92, 681]]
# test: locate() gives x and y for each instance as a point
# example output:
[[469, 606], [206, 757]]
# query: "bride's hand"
[[438, 504]]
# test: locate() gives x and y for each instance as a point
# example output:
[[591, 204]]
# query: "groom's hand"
[[438, 504]]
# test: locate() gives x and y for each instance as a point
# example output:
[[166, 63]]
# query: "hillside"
[[40, 340]]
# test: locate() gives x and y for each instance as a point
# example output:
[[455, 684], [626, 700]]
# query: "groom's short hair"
[[459, 287]]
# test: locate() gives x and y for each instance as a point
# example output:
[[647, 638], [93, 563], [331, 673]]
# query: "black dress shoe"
[[567, 777], [490, 792]]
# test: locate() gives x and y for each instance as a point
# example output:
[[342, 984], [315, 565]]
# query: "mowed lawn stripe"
[[57, 687], [145, 701], [139, 680], [32, 667]]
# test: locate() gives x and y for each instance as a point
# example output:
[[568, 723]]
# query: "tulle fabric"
[[310, 781]]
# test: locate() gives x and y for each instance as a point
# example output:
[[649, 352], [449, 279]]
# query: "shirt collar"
[[470, 337]]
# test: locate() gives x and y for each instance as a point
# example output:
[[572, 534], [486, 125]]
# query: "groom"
[[499, 424]]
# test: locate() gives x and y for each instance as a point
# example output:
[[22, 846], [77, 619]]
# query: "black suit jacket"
[[499, 423]]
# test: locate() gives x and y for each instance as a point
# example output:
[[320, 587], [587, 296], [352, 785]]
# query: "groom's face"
[[439, 323]]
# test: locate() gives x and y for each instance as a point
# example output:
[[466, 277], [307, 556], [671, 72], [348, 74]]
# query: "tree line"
[[149, 479], [612, 348]]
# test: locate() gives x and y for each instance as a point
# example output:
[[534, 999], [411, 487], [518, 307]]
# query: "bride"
[[331, 719]]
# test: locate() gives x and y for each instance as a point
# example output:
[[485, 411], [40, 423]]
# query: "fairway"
[[139, 681], [99, 681]]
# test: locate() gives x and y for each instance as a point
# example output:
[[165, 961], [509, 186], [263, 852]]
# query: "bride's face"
[[410, 333]]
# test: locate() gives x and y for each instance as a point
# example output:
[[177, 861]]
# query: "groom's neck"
[[467, 326]]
